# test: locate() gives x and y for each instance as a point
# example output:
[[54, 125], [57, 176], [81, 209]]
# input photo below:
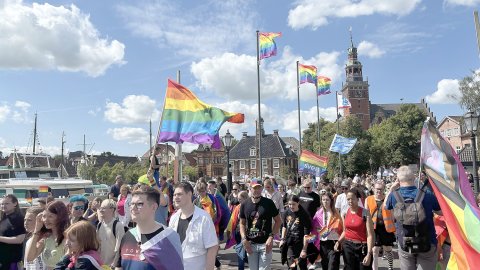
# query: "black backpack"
[[114, 227], [413, 232]]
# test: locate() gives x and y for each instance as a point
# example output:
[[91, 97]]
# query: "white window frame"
[[253, 164], [253, 152], [276, 163], [264, 163], [276, 173], [242, 164]]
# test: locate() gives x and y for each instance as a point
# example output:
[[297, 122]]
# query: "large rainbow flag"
[[323, 85], [268, 47], [185, 118], [312, 163], [455, 196], [307, 74]]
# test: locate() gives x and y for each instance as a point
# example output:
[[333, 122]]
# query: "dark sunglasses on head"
[[79, 207]]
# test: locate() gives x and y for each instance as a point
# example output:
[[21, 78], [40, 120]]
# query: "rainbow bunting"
[[185, 118], [268, 47], [312, 163], [323, 85], [454, 193], [307, 74]]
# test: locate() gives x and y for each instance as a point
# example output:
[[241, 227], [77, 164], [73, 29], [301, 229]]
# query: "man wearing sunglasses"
[[309, 200]]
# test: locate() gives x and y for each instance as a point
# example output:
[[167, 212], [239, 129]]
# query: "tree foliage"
[[396, 140], [470, 89]]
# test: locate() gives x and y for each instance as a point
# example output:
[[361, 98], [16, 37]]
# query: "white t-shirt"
[[36, 264], [342, 204], [200, 236]]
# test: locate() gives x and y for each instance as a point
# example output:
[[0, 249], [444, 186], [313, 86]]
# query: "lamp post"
[[370, 161], [227, 142], [471, 124]]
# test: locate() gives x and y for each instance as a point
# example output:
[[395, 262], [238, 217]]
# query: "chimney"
[[275, 132], [244, 134]]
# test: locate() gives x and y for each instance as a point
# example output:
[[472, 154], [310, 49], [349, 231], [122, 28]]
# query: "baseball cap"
[[255, 183], [344, 183]]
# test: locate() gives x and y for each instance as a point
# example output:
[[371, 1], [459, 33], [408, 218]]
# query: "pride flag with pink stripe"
[[185, 118]]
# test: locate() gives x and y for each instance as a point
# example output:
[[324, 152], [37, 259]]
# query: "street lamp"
[[227, 142], [471, 124]]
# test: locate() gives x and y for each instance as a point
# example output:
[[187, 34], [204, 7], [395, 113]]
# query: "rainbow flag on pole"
[[312, 163], [268, 47], [455, 196], [323, 85], [185, 118], [307, 74]]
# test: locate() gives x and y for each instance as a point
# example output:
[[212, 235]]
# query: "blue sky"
[[100, 68]]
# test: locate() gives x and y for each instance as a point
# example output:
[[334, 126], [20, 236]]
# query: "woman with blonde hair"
[[29, 223], [123, 205], [82, 244]]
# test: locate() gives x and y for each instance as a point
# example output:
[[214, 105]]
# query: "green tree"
[[133, 171], [108, 154], [396, 141], [103, 174], [470, 89], [190, 171], [87, 171], [117, 169]]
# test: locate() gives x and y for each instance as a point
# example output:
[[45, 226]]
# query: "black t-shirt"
[[130, 251], [259, 218], [182, 227], [297, 225], [115, 190], [310, 202], [233, 200], [11, 225]]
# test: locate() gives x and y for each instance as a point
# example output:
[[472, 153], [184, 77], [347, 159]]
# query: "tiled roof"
[[191, 159], [272, 146], [466, 154], [171, 149], [112, 160], [293, 142]]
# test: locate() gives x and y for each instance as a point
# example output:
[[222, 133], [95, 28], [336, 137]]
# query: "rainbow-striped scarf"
[[232, 227]]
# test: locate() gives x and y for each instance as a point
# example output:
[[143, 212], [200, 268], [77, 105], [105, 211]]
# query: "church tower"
[[355, 89]]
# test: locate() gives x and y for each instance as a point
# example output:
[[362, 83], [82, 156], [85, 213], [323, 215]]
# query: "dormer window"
[[253, 152]]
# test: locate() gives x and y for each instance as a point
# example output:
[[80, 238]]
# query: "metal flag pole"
[[477, 28], [259, 132], [178, 153], [338, 128], [299, 126], [318, 120]]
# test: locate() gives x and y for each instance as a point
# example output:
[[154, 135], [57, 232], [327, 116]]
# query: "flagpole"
[[178, 152], [318, 121], [299, 125], [338, 128], [259, 131]]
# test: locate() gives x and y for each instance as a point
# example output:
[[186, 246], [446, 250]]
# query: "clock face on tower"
[[358, 93]]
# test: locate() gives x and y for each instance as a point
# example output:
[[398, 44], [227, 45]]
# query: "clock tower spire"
[[355, 89]]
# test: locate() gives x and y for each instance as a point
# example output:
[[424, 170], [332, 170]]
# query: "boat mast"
[[35, 133], [61, 162]]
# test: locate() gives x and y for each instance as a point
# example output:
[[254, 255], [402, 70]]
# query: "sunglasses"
[[78, 207]]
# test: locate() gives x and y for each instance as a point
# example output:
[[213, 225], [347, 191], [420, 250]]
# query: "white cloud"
[[4, 112], [21, 115], [133, 110], [315, 13], [290, 119], [18, 112], [205, 29], [447, 92], [370, 49], [401, 38], [50, 150], [468, 3], [129, 134], [234, 76], [94, 112], [45, 37]]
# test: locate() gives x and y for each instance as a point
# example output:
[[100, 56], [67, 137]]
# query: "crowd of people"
[[158, 224]]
